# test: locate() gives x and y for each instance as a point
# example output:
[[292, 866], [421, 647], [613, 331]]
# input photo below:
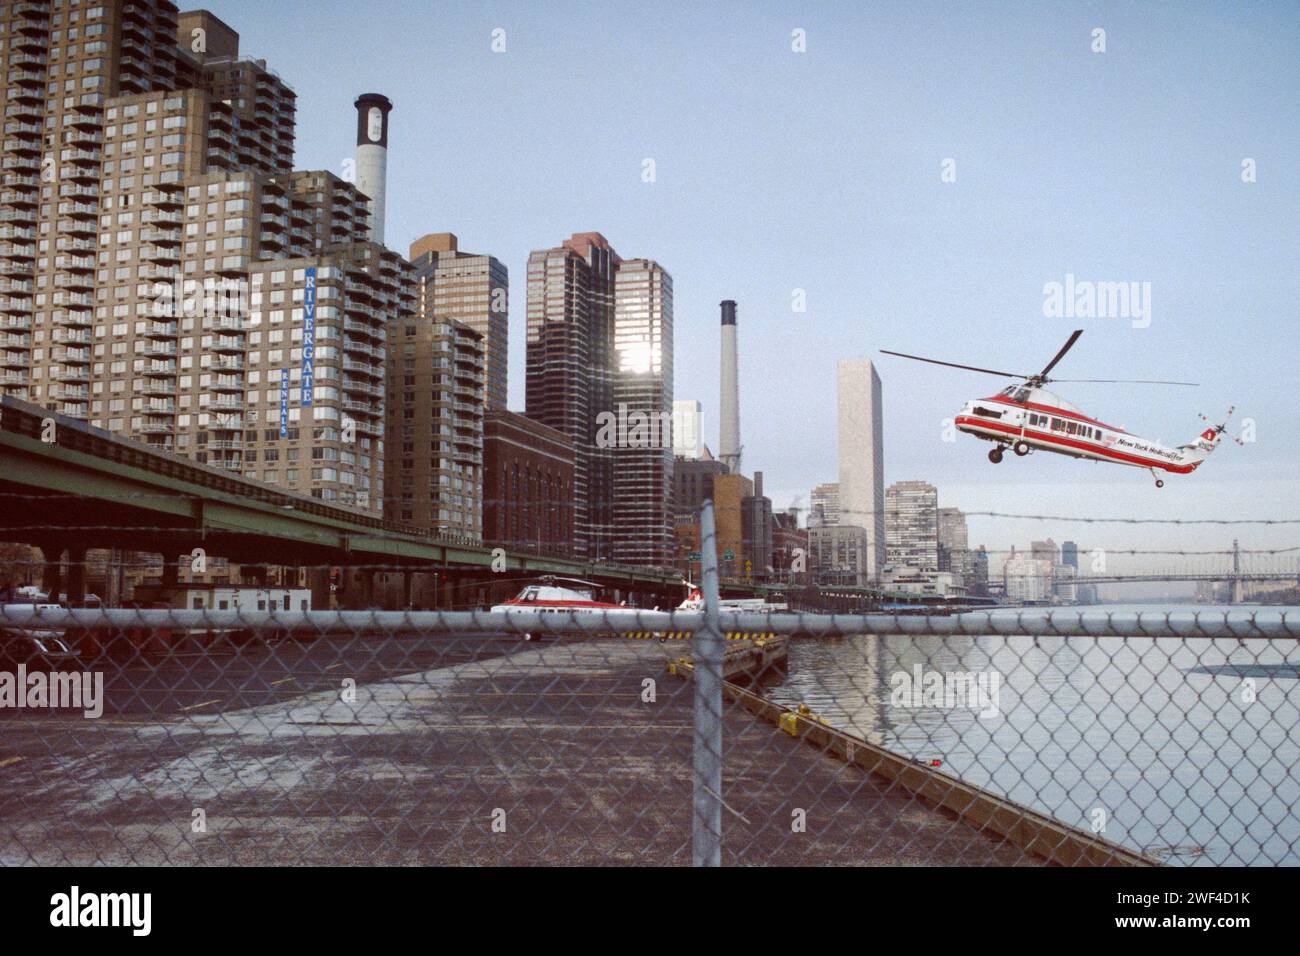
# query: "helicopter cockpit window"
[[1017, 393]]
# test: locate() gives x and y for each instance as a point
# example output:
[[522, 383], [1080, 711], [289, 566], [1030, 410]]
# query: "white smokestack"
[[729, 405], [372, 156]]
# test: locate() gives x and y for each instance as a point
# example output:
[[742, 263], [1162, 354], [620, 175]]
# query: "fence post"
[[708, 648]]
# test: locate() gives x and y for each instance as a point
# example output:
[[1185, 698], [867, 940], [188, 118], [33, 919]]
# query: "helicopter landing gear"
[[995, 454], [1159, 481], [1021, 448]]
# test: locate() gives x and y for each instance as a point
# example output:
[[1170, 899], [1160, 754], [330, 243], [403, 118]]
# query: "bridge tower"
[[1235, 580]]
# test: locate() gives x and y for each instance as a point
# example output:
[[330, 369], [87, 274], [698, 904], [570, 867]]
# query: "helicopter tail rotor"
[[1222, 427]]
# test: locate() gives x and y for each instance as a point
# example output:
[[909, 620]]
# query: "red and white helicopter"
[[1026, 417]]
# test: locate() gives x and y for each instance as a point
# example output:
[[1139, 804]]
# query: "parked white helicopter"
[[1026, 417], [569, 597]]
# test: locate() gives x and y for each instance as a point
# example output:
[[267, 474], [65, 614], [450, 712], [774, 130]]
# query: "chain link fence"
[[1010, 737]]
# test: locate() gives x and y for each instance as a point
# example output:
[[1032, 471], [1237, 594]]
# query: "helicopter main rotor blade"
[[1069, 344], [969, 368], [1123, 381]]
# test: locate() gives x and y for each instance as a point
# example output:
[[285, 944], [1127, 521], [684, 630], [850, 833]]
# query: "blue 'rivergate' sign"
[[308, 337]]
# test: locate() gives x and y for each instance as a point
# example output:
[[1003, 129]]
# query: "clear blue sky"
[[820, 171]]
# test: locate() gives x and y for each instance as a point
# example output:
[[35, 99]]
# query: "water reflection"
[[1173, 743]]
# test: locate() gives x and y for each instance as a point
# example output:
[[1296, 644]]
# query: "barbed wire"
[[569, 505]]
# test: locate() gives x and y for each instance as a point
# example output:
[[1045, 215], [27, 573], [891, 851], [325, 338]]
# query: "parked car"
[[38, 650]]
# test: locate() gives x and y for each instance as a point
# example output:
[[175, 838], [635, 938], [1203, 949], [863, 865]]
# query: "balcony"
[[73, 298], [78, 227], [162, 330], [169, 236], [74, 280], [228, 343], [76, 317], [159, 254], [164, 199], [70, 374], [161, 216], [72, 336], [14, 360], [77, 356], [224, 323]]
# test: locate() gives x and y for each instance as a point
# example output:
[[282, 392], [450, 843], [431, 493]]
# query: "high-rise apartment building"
[[163, 271], [862, 458], [599, 351], [434, 450], [317, 332], [912, 525], [473, 290]]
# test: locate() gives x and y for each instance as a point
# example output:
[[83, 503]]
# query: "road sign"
[[695, 556], [728, 555]]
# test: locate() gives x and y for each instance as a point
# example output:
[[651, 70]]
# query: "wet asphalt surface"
[[456, 749]]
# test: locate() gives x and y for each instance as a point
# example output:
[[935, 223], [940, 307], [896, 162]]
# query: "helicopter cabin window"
[[1058, 425]]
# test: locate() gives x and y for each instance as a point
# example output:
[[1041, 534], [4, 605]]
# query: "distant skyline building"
[[1070, 554], [1027, 580], [756, 528], [862, 458], [1047, 551], [912, 525], [824, 509], [693, 484], [688, 428], [954, 549], [837, 554]]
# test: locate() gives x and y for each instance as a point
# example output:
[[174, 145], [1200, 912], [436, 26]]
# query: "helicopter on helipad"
[[1026, 417]]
